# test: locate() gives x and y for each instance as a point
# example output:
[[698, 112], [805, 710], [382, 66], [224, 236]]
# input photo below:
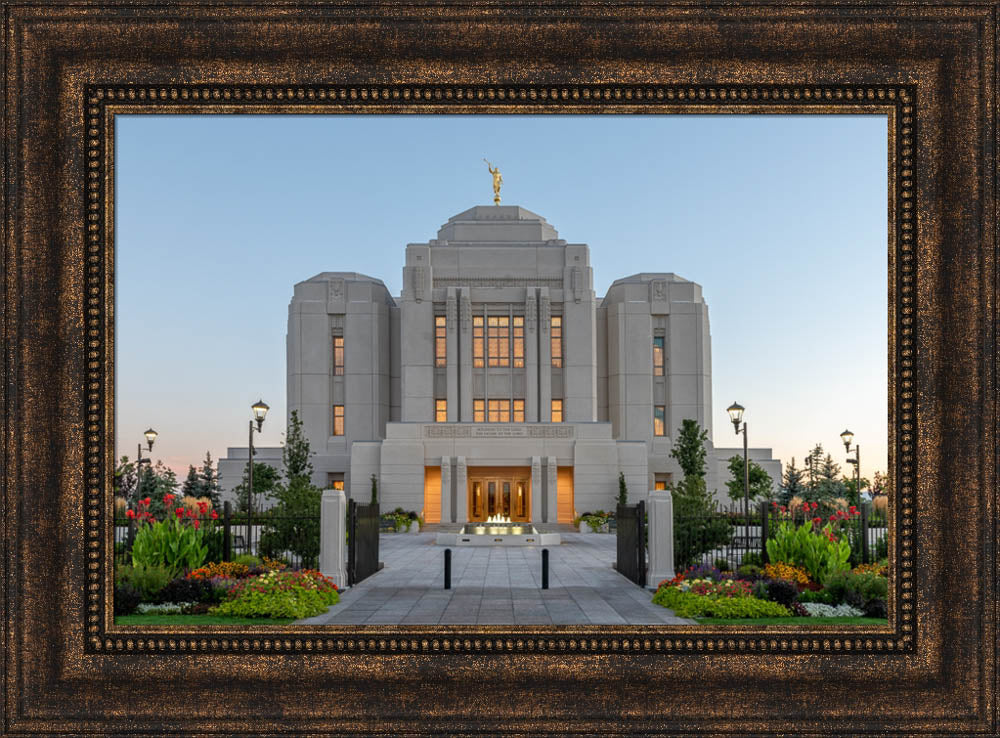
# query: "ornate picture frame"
[[69, 69]]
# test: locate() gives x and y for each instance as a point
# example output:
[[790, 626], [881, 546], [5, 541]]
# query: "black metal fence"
[[362, 541], [728, 536], [292, 539], [631, 532]]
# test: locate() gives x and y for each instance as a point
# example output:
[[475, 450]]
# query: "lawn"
[[793, 621], [197, 620]]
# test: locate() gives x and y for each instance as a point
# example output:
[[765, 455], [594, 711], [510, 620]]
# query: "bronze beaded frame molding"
[[100, 105]]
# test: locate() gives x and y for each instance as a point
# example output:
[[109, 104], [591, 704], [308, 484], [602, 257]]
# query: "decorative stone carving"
[[498, 430], [466, 311], [658, 290], [545, 313], [451, 311], [497, 282], [531, 312], [334, 293], [418, 277], [575, 281]]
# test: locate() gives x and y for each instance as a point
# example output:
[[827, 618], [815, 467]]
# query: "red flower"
[[833, 517], [817, 520], [196, 523], [167, 498], [146, 501], [179, 512], [783, 508], [215, 515], [203, 507], [130, 514]]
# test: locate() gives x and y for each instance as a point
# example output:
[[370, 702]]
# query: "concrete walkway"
[[497, 585]]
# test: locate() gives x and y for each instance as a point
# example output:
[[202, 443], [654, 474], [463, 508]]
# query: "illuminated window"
[[441, 411], [660, 484], [440, 341], [479, 411], [557, 415], [477, 340], [659, 420], [338, 484], [335, 480], [658, 356], [518, 411], [498, 340], [338, 355], [499, 411], [338, 420], [557, 347], [518, 341]]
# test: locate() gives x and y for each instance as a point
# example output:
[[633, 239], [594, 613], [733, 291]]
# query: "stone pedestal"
[[661, 537], [333, 536]]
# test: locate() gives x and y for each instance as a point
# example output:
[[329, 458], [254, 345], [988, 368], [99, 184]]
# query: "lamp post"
[[847, 437], [259, 412], [736, 415], [150, 435]]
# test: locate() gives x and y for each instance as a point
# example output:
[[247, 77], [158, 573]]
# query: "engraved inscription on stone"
[[497, 431]]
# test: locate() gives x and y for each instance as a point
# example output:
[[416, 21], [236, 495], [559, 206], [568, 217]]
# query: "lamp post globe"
[[847, 437], [150, 435], [260, 409], [736, 414]]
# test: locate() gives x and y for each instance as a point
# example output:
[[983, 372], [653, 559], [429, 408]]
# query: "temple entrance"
[[500, 491]]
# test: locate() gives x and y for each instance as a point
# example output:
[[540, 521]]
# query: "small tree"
[[697, 525], [689, 449], [792, 483], [265, 480], [125, 480], [374, 490], [209, 480], [192, 484], [622, 489], [294, 523], [761, 484]]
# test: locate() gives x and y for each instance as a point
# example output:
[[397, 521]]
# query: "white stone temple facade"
[[497, 383]]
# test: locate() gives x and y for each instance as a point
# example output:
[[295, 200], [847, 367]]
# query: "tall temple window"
[[338, 355], [440, 341], [498, 337], [659, 420], [658, 356], [519, 342], [440, 411], [557, 343], [499, 411], [557, 411], [477, 340], [479, 411], [335, 480], [518, 411], [338, 420]]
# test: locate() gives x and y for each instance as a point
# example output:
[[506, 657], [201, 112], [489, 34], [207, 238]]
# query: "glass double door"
[[496, 496]]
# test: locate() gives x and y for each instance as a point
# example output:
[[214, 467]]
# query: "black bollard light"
[[447, 568], [545, 568]]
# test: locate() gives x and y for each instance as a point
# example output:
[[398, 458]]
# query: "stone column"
[[551, 492], [536, 489], [661, 537], [465, 356], [544, 357], [461, 491], [531, 333], [446, 516], [452, 363], [332, 536]]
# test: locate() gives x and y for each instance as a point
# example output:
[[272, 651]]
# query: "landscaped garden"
[[808, 580], [176, 575]]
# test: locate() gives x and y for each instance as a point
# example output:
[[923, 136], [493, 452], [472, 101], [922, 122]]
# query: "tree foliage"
[[761, 484], [622, 489], [265, 481], [689, 449], [793, 482]]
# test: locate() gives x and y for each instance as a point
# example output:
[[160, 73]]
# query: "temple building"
[[497, 383]]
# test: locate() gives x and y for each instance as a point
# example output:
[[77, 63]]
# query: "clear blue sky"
[[781, 219]]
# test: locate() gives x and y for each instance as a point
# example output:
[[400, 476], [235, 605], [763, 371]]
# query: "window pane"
[[478, 414], [477, 340], [338, 420], [557, 411], [519, 341], [338, 355], [658, 356], [440, 341], [659, 420], [441, 411], [556, 339], [518, 411]]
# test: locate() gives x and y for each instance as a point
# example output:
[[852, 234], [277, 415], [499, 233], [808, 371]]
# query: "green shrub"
[[822, 596], [698, 526], [723, 565], [127, 599], [752, 558], [748, 570], [812, 550], [861, 588], [248, 560], [688, 605], [170, 543], [882, 547], [187, 590], [280, 594], [595, 522], [146, 580], [782, 591]]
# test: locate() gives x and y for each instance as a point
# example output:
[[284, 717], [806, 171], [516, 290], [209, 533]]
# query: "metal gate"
[[362, 541], [631, 525]]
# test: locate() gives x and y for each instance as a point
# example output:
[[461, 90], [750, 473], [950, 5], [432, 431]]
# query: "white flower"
[[821, 610]]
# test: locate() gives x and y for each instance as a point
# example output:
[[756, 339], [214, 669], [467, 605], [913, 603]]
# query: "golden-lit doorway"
[[500, 492]]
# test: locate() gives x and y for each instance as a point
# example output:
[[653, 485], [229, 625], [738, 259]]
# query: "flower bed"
[[280, 594]]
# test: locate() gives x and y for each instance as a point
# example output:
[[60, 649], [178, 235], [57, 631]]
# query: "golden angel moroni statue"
[[497, 181]]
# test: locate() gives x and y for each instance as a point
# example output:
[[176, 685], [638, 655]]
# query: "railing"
[[292, 539]]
